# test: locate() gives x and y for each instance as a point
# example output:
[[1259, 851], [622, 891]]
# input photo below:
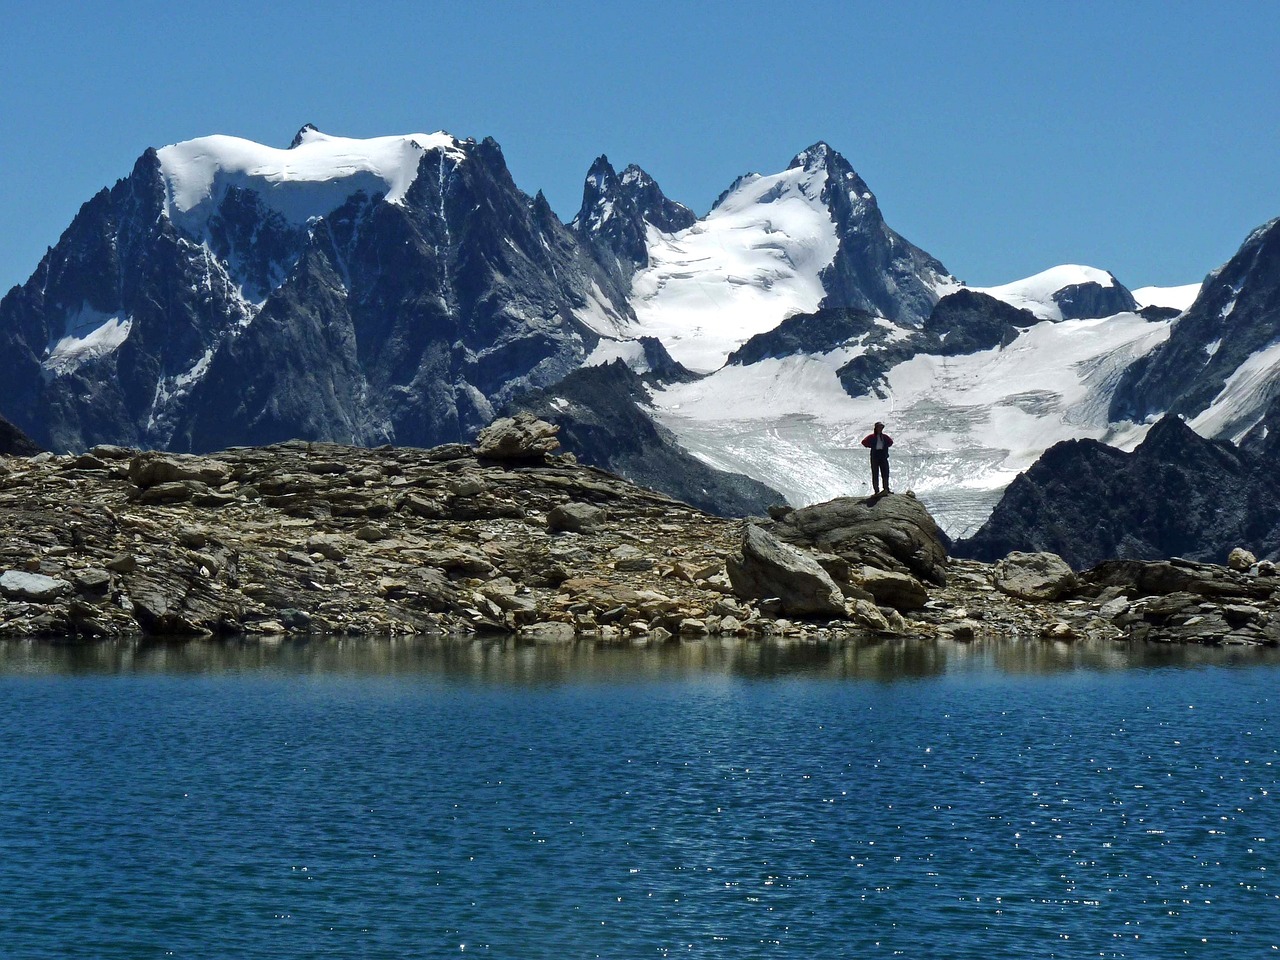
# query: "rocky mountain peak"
[[875, 269], [199, 299], [300, 137], [616, 214], [1231, 322], [813, 157]]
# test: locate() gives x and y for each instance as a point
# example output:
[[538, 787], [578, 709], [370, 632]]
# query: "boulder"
[[768, 568], [20, 585], [893, 532], [868, 615], [522, 437], [575, 518], [1034, 576], [151, 469], [1241, 559], [901, 591]]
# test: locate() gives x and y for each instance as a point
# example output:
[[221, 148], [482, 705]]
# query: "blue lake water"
[[368, 798]]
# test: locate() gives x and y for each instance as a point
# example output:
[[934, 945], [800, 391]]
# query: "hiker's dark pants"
[[879, 470]]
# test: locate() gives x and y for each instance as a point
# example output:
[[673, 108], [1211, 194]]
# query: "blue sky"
[[1003, 138]]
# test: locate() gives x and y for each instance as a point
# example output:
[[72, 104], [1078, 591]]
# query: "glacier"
[[963, 426]]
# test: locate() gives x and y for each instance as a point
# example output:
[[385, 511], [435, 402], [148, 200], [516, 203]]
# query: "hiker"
[[878, 442]]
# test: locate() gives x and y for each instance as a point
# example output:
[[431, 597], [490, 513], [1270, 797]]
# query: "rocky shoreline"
[[312, 539]]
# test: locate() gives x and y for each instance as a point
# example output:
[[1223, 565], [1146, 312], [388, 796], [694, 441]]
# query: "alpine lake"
[[442, 797]]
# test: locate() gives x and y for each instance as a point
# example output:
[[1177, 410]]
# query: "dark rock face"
[[616, 213], [874, 269], [968, 321], [1083, 301], [819, 332], [1176, 495], [15, 443], [596, 409], [960, 323], [410, 321], [1234, 316], [893, 532]]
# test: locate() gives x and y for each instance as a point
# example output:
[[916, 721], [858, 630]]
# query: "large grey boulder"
[[576, 518], [522, 437], [901, 591], [768, 568], [20, 585], [1034, 576], [152, 469], [893, 532]]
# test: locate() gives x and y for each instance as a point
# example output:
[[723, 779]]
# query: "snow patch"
[[88, 335], [599, 315], [1177, 298], [630, 352], [1243, 399]]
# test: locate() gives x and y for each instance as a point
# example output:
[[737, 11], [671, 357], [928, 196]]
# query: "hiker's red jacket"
[[870, 441]]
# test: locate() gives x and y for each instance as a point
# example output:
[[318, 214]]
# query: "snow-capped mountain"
[[405, 289], [774, 246], [225, 292]]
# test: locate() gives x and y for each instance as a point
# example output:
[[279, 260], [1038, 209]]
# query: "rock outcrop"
[[1176, 494], [520, 438], [893, 532]]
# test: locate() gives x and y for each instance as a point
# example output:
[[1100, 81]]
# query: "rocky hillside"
[[601, 414], [1176, 495], [320, 539]]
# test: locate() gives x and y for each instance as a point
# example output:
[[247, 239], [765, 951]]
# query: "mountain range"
[[404, 289]]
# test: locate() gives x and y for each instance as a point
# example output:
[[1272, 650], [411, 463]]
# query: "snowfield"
[[1244, 398], [963, 427], [88, 335], [749, 264], [308, 180]]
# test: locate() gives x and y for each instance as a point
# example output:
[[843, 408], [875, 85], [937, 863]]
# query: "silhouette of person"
[[879, 442]]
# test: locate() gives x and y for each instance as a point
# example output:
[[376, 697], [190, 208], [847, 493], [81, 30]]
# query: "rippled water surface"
[[420, 799]]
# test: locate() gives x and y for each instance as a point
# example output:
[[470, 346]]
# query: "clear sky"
[[1003, 138]]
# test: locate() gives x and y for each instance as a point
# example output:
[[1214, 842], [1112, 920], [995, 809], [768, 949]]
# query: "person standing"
[[879, 442]]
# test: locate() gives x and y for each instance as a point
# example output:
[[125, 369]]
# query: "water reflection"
[[508, 661]]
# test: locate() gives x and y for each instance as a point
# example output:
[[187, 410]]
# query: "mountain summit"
[[617, 214], [399, 288], [777, 245]]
